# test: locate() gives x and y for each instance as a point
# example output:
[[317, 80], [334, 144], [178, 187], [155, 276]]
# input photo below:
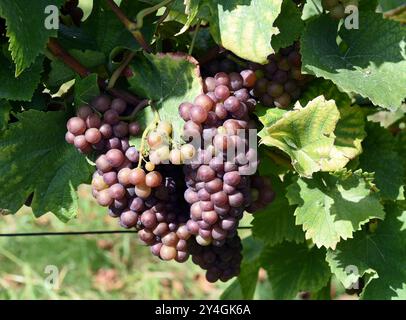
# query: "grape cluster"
[[71, 9], [335, 8], [98, 127], [183, 200], [218, 187], [261, 193], [221, 263], [282, 79]]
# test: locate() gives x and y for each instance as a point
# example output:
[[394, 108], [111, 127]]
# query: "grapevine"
[[237, 138]]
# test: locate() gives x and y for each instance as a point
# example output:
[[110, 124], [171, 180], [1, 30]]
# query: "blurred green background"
[[116, 266]]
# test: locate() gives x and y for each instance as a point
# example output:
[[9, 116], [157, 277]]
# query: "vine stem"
[[70, 61], [59, 52], [192, 45], [117, 73], [131, 26], [143, 13], [317, 8], [138, 108]]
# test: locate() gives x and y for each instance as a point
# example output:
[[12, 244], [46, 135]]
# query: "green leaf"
[[245, 27], [311, 8], [267, 116], [380, 257], [306, 135], [168, 80], [349, 131], [290, 25], [86, 89], [332, 207], [294, 267], [322, 294], [21, 88], [5, 109], [326, 88], [42, 163], [276, 223], [244, 286], [191, 9], [61, 73], [109, 33], [380, 156], [25, 17], [365, 64]]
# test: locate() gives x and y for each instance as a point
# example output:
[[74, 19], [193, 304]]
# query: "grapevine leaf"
[[267, 116], [276, 223], [401, 146], [41, 163], [168, 80], [21, 88], [378, 256], [367, 5], [294, 267], [22, 17], [86, 89], [326, 88], [245, 27], [306, 135], [380, 156], [323, 293], [5, 109], [191, 9], [290, 25], [332, 207], [370, 66], [311, 8], [244, 286], [60, 73], [349, 131], [109, 33]]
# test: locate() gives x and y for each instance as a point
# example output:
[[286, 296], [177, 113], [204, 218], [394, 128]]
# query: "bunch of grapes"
[[221, 263], [180, 199], [335, 8], [98, 128], [262, 193], [282, 79], [71, 9], [218, 186]]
